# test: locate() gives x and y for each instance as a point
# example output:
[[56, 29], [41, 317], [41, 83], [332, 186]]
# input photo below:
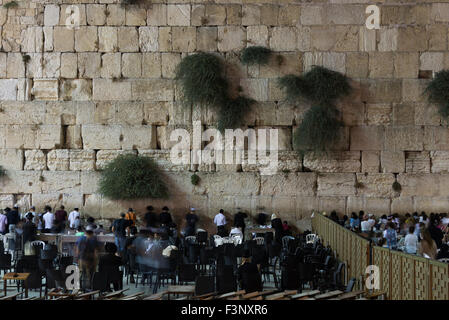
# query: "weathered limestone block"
[[403, 138], [165, 39], [162, 158], [334, 61], [157, 113], [107, 39], [105, 156], [283, 39], [402, 205], [64, 39], [250, 15], [376, 206], [432, 61], [111, 65], [132, 65], [8, 89], [45, 89], [14, 65], [376, 185], [426, 185], [255, 88], [148, 39], [178, 15], [328, 204], [357, 64], [73, 137], [412, 90], [431, 204], [336, 184], [6, 200], [215, 14], [291, 184], [406, 65], [128, 39], [89, 180], [231, 38], [101, 137], [436, 138], [151, 65], [388, 39], [11, 159], [227, 183], [136, 16], [440, 12], [370, 161], [367, 138], [392, 161], [152, 90], [86, 39], [207, 38], [440, 161], [164, 133], [157, 15], [184, 39], [169, 63], [403, 114], [412, 38], [198, 15], [426, 115], [116, 16], [341, 14], [234, 14], [60, 182], [289, 15], [77, 90], [381, 91], [417, 162], [367, 39], [96, 14], [89, 64], [312, 15], [69, 65], [82, 160], [346, 161], [141, 137], [104, 89], [67, 13], [381, 65], [22, 182], [51, 15], [58, 160]]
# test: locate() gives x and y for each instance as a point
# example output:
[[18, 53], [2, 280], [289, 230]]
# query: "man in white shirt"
[[365, 225], [49, 218], [371, 220], [220, 222], [73, 217]]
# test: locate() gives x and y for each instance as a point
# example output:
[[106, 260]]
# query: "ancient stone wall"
[[106, 88]]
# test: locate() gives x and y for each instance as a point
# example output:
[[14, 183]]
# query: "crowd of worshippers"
[[150, 245], [421, 234]]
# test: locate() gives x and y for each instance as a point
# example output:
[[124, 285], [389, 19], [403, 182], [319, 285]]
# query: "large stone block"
[[96, 14], [152, 90], [111, 65], [231, 38], [412, 38], [376, 206], [376, 185], [370, 161], [76, 90], [107, 39], [132, 65], [116, 16], [406, 65], [8, 89], [136, 16], [58, 160], [417, 162], [426, 185], [184, 39], [82, 160], [51, 15], [101, 137], [440, 161], [381, 91], [11, 159], [104, 89], [347, 161], [60, 182], [336, 184], [128, 39], [86, 39], [178, 15], [69, 65], [381, 65], [64, 39], [105, 156], [403, 138], [157, 15], [148, 39], [222, 184], [392, 161], [207, 38], [45, 89], [367, 138], [436, 138]]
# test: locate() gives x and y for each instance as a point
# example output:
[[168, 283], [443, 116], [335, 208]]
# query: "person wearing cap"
[[131, 216], [191, 220], [150, 218], [165, 217], [248, 274], [86, 250]]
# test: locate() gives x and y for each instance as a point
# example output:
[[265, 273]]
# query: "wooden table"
[[16, 276], [188, 290], [328, 295]]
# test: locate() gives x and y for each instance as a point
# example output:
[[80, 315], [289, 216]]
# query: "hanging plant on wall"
[[321, 127], [202, 81], [255, 55], [130, 177], [131, 2], [195, 179], [438, 92]]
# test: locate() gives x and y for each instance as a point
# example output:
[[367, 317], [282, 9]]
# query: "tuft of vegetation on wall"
[[10, 5], [321, 127], [130, 177], [202, 80], [438, 92], [255, 55], [195, 179]]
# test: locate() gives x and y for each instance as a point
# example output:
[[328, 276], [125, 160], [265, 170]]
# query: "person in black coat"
[[165, 217], [276, 224], [29, 229], [150, 218], [12, 216], [248, 274], [110, 264], [239, 221]]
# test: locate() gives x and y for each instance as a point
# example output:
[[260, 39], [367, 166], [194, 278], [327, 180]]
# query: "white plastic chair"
[[190, 239], [445, 260], [311, 238], [237, 238], [259, 241], [218, 240]]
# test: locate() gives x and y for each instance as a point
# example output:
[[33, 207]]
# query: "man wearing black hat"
[[165, 217], [12, 216], [150, 218], [248, 274]]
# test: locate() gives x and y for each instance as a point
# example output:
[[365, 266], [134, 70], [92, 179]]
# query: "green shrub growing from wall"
[[10, 5], [438, 92], [130, 177], [255, 55], [232, 114], [321, 127], [195, 179]]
